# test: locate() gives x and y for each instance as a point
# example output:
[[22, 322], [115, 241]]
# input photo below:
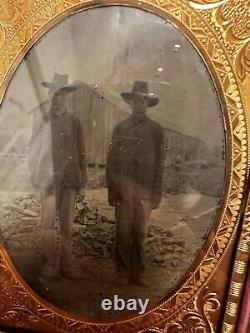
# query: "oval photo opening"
[[112, 158]]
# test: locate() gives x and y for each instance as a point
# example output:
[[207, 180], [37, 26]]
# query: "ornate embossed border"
[[220, 31]]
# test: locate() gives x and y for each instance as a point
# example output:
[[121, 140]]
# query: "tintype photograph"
[[112, 161]]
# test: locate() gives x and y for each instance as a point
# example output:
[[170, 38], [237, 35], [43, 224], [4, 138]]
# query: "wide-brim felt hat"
[[140, 88], [66, 89], [59, 84]]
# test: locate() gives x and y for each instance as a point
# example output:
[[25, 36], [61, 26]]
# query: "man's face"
[[59, 101], [139, 105]]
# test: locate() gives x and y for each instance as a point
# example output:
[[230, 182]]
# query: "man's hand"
[[155, 200], [81, 192], [155, 205]]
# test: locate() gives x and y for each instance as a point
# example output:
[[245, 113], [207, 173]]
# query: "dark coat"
[[136, 151], [57, 152]]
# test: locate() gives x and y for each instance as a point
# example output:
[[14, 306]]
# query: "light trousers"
[[132, 214], [61, 202]]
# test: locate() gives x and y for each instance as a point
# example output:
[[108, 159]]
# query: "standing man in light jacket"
[[57, 163]]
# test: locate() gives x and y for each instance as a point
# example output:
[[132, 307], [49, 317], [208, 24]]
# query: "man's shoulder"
[[40, 121], [155, 125], [123, 124], [72, 117]]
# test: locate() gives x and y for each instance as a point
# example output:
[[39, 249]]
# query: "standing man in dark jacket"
[[134, 179], [58, 168]]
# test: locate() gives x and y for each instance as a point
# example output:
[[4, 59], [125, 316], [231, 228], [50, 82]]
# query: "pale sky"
[[112, 47]]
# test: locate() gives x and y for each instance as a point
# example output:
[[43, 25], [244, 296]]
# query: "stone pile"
[[20, 225], [93, 233], [24, 207]]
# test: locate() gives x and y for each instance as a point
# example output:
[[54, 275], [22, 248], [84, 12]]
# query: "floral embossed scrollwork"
[[69, 2], [208, 1], [11, 13], [243, 62], [196, 318], [2, 35], [8, 12], [12, 307], [206, 4], [233, 16]]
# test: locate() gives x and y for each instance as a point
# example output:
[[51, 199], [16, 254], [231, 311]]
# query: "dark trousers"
[[132, 214]]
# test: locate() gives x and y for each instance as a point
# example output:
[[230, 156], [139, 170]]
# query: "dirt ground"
[[176, 232]]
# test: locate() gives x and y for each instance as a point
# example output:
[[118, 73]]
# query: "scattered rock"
[[93, 233], [159, 259], [174, 262], [29, 212], [169, 248], [13, 208], [179, 249], [36, 209], [80, 206], [92, 216], [27, 230]]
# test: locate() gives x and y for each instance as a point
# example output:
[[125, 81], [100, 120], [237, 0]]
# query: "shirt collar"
[[139, 120]]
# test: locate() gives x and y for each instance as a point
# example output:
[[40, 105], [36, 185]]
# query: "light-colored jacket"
[[57, 152]]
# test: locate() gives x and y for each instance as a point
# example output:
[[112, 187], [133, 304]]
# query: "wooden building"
[[183, 148], [99, 117]]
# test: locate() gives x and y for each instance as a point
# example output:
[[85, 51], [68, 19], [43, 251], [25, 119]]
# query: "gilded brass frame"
[[219, 30]]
